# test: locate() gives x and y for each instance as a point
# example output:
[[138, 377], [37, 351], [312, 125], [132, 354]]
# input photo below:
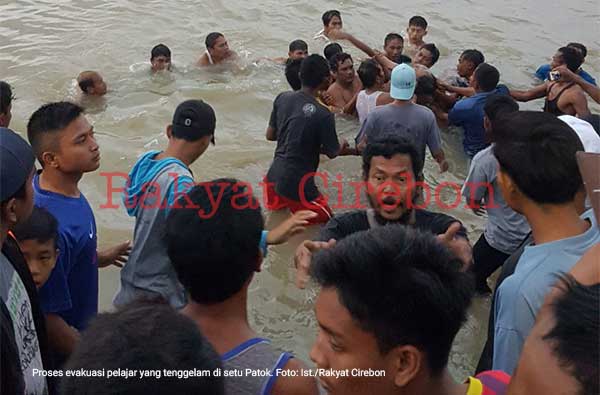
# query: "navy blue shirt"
[[72, 288], [468, 114], [543, 72]]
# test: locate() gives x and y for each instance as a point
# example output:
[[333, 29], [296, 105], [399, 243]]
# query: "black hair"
[[580, 47], [338, 58], [6, 97], [390, 37], [313, 71], [368, 71], [487, 77], [86, 83], [574, 337], [298, 45], [404, 59], [41, 226], [211, 39], [144, 335], [435, 52], [418, 21], [215, 251], [399, 284], [49, 119], [388, 147], [474, 56], [160, 50], [426, 85], [537, 150], [572, 57], [328, 15], [499, 104], [331, 50], [292, 73]]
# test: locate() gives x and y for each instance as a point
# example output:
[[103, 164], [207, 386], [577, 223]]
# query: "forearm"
[[520, 95], [361, 45], [61, 337], [588, 88], [466, 92]]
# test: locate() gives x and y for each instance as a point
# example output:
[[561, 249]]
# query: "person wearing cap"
[[155, 182], [63, 141], [6, 97], [22, 328], [403, 117]]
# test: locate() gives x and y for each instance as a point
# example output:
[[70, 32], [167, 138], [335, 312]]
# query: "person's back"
[[215, 252], [155, 182]]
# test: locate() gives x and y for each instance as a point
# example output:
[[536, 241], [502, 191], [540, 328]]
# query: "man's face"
[[334, 23], [424, 57], [416, 33], [345, 72], [557, 60], [393, 49], [298, 54], [220, 49], [342, 344], [40, 257], [389, 182], [464, 68], [78, 151], [99, 88], [160, 63], [6, 117]]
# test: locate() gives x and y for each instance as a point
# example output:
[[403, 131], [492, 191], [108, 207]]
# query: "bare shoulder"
[[295, 383], [203, 61]]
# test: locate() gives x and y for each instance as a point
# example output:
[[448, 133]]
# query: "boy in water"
[[160, 58], [91, 83], [298, 49], [543, 72], [37, 238], [417, 29], [6, 97], [332, 20], [217, 50]]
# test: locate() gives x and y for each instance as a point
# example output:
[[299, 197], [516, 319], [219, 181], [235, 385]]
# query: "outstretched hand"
[[458, 245], [303, 259], [116, 255], [295, 224]]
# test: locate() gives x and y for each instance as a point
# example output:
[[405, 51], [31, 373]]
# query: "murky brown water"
[[45, 44]]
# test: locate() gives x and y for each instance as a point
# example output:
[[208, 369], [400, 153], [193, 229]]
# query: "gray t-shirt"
[[411, 120], [505, 228]]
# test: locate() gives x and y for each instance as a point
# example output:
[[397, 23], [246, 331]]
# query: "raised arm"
[[341, 35], [534, 93], [590, 89]]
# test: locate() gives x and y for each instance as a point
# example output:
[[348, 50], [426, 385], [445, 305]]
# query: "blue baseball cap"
[[16, 163], [403, 82]]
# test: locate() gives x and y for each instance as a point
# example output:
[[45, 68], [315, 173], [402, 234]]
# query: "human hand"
[[295, 224], [458, 245], [565, 74], [327, 98], [303, 259], [116, 255]]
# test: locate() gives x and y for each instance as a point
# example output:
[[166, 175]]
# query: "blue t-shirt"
[[468, 113], [543, 72], [521, 295], [72, 288]]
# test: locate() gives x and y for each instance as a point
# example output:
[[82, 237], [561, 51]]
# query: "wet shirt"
[[304, 129], [72, 288]]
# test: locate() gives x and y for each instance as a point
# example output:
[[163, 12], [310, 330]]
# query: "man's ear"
[[170, 132], [424, 34], [406, 363], [9, 211], [49, 159]]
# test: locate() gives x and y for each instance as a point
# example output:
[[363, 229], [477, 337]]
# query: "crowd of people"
[[396, 279]]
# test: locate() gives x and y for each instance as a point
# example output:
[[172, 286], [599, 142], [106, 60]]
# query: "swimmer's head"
[[393, 44], [298, 50], [315, 72], [160, 58], [485, 78], [91, 83], [332, 19], [331, 49], [342, 68], [292, 73], [6, 97], [427, 55], [581, 48], [217, 46], [193, 127], [569, 56], [370, 74], [417, 29], [468, 62]]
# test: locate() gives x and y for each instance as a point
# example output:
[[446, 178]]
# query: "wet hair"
[[537, 150], [435, 52], [399, 284], [368, 71], [331, 50], [388, 147], [574, 337], [292, 73], [404, 59], [6, 97], [474, 56], [298, 45], [85, 83], [572, 58], [426, 85], [417, 21], [215, 251], [582, 49], [337, 59], [487, 77], [328, 16], [391, 37], [499, 104], [160, 50], [48, 120], [41, 226], [144, 335], [313, 70], [211, 39]]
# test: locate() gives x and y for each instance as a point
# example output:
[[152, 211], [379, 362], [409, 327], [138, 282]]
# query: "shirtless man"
[[332, 20], [417, 29], [217, 50], [562, 97], [91, 83], [346, 86]]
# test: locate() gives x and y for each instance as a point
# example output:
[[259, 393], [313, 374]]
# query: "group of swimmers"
[[396, 279]]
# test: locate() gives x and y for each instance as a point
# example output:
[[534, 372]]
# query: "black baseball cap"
[[16, 163], [194, 119]]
